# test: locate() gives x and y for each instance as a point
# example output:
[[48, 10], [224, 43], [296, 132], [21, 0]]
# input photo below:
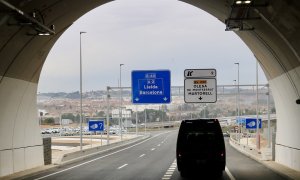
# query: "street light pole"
[[121, 100], [238, 100], [107, 114], [257, 120], [81, 32], [236, 105], [235, 98], [268, 109]]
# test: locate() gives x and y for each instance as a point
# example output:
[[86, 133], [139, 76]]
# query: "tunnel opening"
[[19, 78], [136, 30]]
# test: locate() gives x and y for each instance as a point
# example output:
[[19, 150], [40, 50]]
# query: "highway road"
[[151, 159]]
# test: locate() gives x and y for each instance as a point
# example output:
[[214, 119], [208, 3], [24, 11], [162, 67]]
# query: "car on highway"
[[200, 146]]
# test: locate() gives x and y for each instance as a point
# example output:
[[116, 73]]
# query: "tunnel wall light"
[[242, 2]]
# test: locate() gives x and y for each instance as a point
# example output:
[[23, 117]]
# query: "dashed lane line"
[[122, 166], [170, 171], [142, 155], [152, 149], [173, 167]]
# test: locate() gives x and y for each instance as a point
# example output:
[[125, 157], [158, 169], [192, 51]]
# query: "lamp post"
[[234, 83], [236, 105], [81, 32], [268, 109], [120, 112], [238, 98], [257, 120], [107, 114]]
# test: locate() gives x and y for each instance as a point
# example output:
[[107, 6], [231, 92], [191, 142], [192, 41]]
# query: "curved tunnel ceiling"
[[274, 40]]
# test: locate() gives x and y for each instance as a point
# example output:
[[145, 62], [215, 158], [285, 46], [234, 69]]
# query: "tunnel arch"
[[273, 40]]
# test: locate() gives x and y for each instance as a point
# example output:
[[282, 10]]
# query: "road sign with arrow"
[[151, 86], [198, 90]]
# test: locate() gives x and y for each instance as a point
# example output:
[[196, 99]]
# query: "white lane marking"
[[122, 166], [152, 149], [158, 145], [170, 171], [229, 173], [87, 162], [142, 155]]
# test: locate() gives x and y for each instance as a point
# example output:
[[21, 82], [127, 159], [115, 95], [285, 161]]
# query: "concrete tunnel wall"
[[274, 42]]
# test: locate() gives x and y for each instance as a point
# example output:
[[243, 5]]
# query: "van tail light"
[[222, 154], [179, 155]]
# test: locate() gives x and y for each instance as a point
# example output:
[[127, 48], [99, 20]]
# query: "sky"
[[145, 35]]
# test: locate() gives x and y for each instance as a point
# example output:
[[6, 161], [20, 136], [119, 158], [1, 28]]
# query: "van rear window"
[[199, 134], [202, 127], [197, 140]]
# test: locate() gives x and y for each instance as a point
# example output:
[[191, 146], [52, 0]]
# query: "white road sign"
[[200, 90], [200, 73]]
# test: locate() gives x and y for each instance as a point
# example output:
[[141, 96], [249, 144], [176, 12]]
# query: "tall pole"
[[81, 32], [257, 120], [121, 100], [60, 121], [145, 119], [162, 116], [107, 113], [136, 120], [268, 109], [235, 98], [238, 100], [236, 105]]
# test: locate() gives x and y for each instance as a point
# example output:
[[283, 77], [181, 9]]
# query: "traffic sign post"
[[96, 125], [151, 87]]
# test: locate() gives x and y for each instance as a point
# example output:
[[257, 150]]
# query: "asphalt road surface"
[[152, 159]]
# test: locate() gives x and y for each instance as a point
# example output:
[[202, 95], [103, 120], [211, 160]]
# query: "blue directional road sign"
[[251, 123], [151, 87], [96, 125]]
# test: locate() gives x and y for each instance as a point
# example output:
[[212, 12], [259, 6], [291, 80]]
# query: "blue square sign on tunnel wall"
[[151, 86]]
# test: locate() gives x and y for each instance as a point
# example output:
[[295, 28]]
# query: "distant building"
[[125, 113], [66, 121]]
